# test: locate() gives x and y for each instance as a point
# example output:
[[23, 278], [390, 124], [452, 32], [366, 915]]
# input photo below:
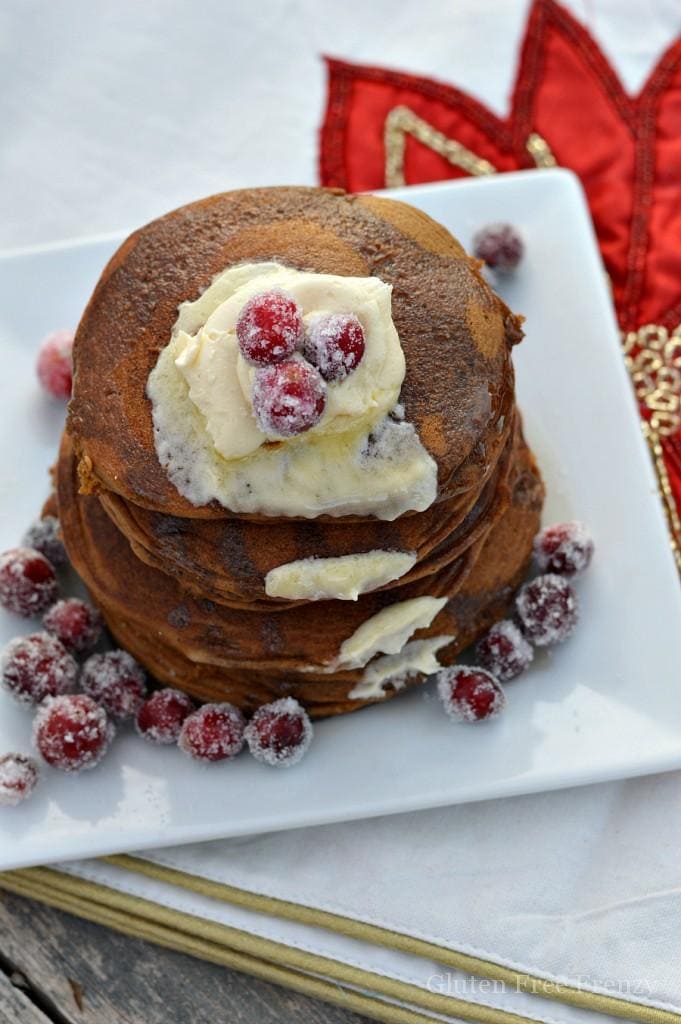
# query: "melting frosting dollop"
[[361, 457]]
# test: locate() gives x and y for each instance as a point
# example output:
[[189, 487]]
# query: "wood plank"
[[118, 980], [15, 1007]]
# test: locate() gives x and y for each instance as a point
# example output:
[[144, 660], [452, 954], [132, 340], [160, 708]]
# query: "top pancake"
[[455, 332]]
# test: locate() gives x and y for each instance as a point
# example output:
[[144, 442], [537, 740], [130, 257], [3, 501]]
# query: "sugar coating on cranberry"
[[116, 681], [76, 623], [564, 548], [162, 715], [504, 651], [269, 328], [279, 733], [335, 345], [547, 609], [500, 246], [55, 364], [18, 778], [28, 582], [37, 666], [289, 398], [72, 732], [43, 536], [215, 732], [470, 694]]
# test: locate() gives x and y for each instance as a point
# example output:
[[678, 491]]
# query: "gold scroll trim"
[[653, 357], [402, 121]]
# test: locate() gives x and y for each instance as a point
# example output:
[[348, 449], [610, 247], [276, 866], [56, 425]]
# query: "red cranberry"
[[37, 666], [335, 345], [564, 548], [500, 246], [470, 694], [55, 364], [18, 778], [28, 583], [547, 609], [269, 328], [43, 536], [504, 651], [76, 623], [213, 733], [72, 732], [160, 718], [279, 733], [116, 681], [289, 398]]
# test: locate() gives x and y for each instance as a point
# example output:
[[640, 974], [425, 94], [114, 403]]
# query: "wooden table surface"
[[57, 969]]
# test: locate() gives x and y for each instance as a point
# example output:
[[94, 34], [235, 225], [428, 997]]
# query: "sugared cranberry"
[[289, 398], [547, 609], [279, 733], [28, 583], [215, 732], [55, 364], [469, 694], [335, 345], [504, 651], [269, 328], [500, 246], [37, 666], [76, 623], [43, 536], [564, 548], [116, 681], [72, 732], [18, 778], [160, 718]]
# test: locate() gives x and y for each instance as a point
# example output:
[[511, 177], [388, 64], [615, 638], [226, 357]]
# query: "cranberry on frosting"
[[288, 399], [335, 345], [269, 328], [267, 419]]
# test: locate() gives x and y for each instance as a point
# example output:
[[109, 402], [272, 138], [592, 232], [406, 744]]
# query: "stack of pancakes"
[[182, 587]]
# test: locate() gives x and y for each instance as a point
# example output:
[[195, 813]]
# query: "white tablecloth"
[[113, 113]]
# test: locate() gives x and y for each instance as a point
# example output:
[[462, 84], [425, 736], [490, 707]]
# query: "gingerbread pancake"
[[231, 558], [249, 657], [456, 334]]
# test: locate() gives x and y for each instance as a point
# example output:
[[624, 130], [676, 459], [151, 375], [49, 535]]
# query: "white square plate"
[[607, 704]]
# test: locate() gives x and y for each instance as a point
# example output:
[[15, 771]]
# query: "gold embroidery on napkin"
[[402, 121], [540, 151], [653, 357]]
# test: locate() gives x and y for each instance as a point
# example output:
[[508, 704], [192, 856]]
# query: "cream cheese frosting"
[[357, 459], [416, 658], [386, 632], [342, 578], [211, 356]]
